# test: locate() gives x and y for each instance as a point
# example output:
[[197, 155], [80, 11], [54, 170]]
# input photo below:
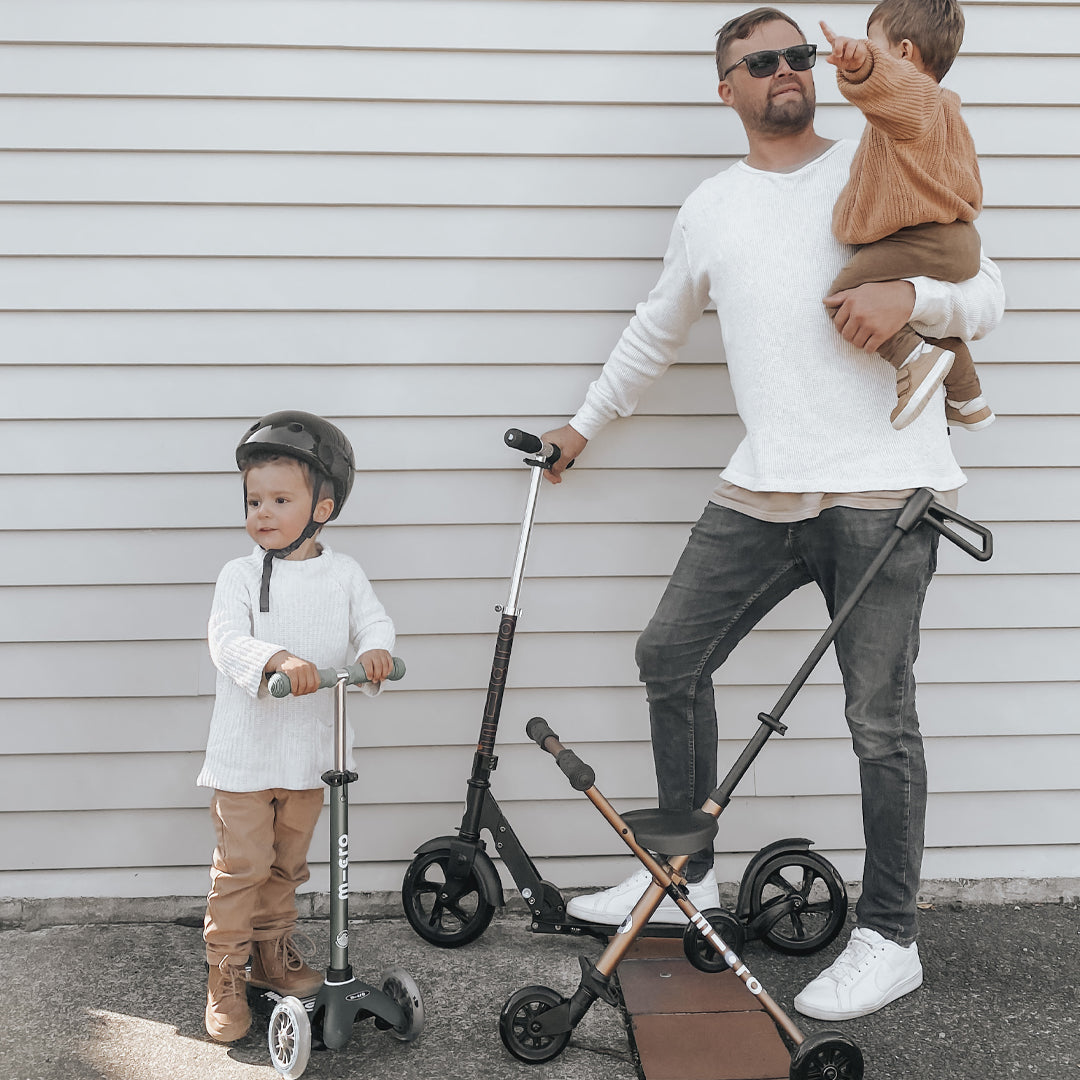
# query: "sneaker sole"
[[977, 426], [930, 385], [906, 987]]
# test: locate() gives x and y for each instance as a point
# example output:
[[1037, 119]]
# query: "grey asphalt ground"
[[110, 1001]]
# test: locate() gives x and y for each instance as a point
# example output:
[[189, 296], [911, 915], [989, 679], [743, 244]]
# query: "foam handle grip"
[[279, 685], [580, 775], [517, 439], [540, 731]]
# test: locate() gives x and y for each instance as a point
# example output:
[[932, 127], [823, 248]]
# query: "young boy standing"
[[294, 606], [914, 189]]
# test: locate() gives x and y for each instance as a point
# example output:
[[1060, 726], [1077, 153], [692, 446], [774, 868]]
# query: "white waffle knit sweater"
[[759, 246], [323, 610]]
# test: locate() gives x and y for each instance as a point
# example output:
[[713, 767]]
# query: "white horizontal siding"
[[429, 220]]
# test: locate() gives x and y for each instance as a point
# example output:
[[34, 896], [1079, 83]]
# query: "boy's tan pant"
[[259, 862], [946, 252]]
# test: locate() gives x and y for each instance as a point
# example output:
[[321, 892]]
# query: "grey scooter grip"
[[581, 776], [279, 685]]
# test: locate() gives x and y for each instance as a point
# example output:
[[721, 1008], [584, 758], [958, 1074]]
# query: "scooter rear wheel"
[[813, 895], [827, 1055], [289, 1037], [437, 917], [519, 1025], [400, 986]]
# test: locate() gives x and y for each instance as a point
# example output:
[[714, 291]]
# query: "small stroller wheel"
[[701, 952], [442, 921], [808, 897], [519, 1025], [399, 986], [827, 1055], [289, 1037]]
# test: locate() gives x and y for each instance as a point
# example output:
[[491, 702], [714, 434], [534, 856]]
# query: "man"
[[810, 493]]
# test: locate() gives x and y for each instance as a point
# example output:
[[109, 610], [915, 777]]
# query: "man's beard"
[[786, 117]]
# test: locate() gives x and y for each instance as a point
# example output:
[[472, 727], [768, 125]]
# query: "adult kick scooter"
[[536, 1022], [327, 1018], [790, 897]]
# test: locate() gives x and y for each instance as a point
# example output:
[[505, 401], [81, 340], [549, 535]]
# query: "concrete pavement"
[[114, 1001]]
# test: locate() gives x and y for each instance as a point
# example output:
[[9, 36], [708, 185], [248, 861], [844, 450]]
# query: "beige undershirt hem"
[[803, 505]]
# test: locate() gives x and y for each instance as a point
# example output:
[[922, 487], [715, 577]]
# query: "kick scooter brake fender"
[[794, 843], [581, 776], [279, 685], [466, 859]]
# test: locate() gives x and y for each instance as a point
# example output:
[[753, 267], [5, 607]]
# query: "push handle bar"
[[922, 506], [533, 445], [279, 685], [580, 775]]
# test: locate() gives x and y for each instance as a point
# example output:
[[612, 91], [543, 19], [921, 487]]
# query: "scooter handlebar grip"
[[540, 731], [517, 439], [280, 686], [580, 775]]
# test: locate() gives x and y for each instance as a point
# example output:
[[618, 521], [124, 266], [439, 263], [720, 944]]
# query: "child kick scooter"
[[536, 1022], [791, 897], [327, 1018]]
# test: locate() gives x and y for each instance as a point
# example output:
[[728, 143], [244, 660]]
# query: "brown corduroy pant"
[[946, 252], [259, 862]]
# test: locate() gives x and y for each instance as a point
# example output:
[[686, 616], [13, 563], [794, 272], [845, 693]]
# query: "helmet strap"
[[310, 530]]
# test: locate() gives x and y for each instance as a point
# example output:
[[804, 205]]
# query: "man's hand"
[[870, 314], [571, 443], [848, 54]]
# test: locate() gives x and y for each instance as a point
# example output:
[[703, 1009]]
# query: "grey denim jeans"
[[735, 569]]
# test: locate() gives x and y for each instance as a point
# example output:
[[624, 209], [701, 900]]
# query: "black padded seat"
[[673, 832]]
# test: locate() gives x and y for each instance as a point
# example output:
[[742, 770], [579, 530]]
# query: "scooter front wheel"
[[444, 913], [827, 1055], [521, 1028], [289, 1038], [400, 987]]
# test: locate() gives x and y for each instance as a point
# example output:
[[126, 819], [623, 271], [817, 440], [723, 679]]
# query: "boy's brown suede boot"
[[277, 964], [228, 1017]]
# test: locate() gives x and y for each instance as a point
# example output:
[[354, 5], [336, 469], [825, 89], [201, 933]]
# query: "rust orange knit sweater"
[[916, 161]]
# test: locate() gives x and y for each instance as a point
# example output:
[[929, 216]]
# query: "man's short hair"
[[935, 27], [742, 26]]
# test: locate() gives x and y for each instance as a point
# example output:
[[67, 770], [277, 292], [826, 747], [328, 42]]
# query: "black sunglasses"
[[765, 63]]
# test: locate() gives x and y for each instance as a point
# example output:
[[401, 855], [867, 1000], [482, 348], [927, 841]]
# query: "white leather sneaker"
[[866, 976], [612, 905]]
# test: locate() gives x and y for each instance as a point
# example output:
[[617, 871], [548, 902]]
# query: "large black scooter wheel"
[[812, 893], [441, 919], [519, 1025], [827, 1055]]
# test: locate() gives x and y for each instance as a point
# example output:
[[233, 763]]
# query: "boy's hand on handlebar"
[[378, 664], [571, 443], [303, 674]]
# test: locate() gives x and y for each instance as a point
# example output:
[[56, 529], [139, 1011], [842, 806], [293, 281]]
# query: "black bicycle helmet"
[[315, 442], [306, 438]]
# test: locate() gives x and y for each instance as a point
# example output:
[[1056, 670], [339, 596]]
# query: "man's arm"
[[869, 315], [647, 347]]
